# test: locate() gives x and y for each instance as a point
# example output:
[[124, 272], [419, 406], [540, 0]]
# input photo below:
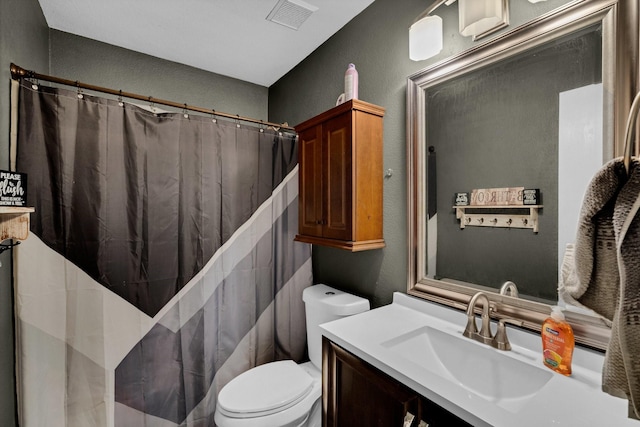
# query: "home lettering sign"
[[497, 196], [13, 188], [488, 197]]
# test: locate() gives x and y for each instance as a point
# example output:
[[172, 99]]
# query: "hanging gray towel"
[[607, 266]]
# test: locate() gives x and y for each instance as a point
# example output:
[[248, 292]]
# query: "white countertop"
[[563, 401]]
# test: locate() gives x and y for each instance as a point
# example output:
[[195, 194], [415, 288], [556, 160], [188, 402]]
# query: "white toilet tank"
[[324, 304]]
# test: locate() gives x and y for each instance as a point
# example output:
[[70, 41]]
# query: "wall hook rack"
[[488, 218]]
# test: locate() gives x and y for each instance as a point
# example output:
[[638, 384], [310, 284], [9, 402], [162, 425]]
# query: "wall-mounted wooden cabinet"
[[341, 174], [354, 393]]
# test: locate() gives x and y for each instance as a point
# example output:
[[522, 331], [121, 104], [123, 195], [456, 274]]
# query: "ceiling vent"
[[291, 13]]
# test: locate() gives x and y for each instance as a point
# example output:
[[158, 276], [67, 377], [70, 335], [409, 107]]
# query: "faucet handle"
[[471, 329], [500, 340], [485, 328]]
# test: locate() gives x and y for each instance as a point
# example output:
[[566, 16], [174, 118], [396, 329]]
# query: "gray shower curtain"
[[161, 261]]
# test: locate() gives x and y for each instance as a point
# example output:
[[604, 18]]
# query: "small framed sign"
[[462, 199], [13, 188], [531, 196]]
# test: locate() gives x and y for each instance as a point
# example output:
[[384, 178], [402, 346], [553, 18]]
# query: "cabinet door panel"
[[310, 215], [338, 213], [368, 185], [355, 394], [435, 416]]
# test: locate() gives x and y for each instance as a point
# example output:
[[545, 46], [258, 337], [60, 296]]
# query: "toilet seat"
[[265, 390]]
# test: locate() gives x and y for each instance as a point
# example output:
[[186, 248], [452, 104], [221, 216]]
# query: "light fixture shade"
[[425, 38], [479, 16]]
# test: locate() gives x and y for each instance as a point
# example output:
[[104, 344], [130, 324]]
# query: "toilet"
[[283, 393]]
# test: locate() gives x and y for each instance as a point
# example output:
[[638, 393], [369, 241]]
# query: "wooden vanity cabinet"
[[355, 393], [340, 177]]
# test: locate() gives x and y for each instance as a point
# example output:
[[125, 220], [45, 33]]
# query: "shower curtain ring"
[[120, 102], [238, 120], [184, 112], [261, 126], [213, 116], [80, 95]]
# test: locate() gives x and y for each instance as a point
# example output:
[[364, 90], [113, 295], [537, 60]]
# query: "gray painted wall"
[[377, 42], [24, 41], [89, 61]]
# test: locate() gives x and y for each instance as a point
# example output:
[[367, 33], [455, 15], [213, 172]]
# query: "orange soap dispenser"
[[557, 342]]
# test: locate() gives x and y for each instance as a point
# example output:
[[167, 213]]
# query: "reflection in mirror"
[[467, 123], [539, 107]]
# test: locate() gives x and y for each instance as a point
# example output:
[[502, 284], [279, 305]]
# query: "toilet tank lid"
[[335, 301]]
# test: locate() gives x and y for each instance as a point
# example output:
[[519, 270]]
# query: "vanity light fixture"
[[425, 34], [477, 18], [425, 38], [480, 17]]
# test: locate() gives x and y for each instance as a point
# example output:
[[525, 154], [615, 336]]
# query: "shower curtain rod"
[[18, 72]]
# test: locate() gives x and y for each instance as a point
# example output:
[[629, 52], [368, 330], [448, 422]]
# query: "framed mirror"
[[542, 106]]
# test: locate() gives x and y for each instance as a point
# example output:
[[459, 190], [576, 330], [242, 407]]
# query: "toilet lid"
[[265, 389]]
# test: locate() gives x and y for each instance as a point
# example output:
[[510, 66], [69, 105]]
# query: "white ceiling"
[[228, 37]]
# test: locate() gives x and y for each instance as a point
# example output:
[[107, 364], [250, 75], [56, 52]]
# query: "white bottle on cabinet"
[[351, 83]]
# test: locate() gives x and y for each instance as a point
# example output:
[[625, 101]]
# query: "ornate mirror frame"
[[619, 22]]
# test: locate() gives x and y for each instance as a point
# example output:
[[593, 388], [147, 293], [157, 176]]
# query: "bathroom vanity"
[[381, 400], [410, 357]]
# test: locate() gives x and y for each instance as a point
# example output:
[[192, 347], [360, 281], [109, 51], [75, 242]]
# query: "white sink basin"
[[494, 375]]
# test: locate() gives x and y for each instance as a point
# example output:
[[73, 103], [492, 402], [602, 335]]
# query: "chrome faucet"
[[509, 288], [500, 340], [471, 331]]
